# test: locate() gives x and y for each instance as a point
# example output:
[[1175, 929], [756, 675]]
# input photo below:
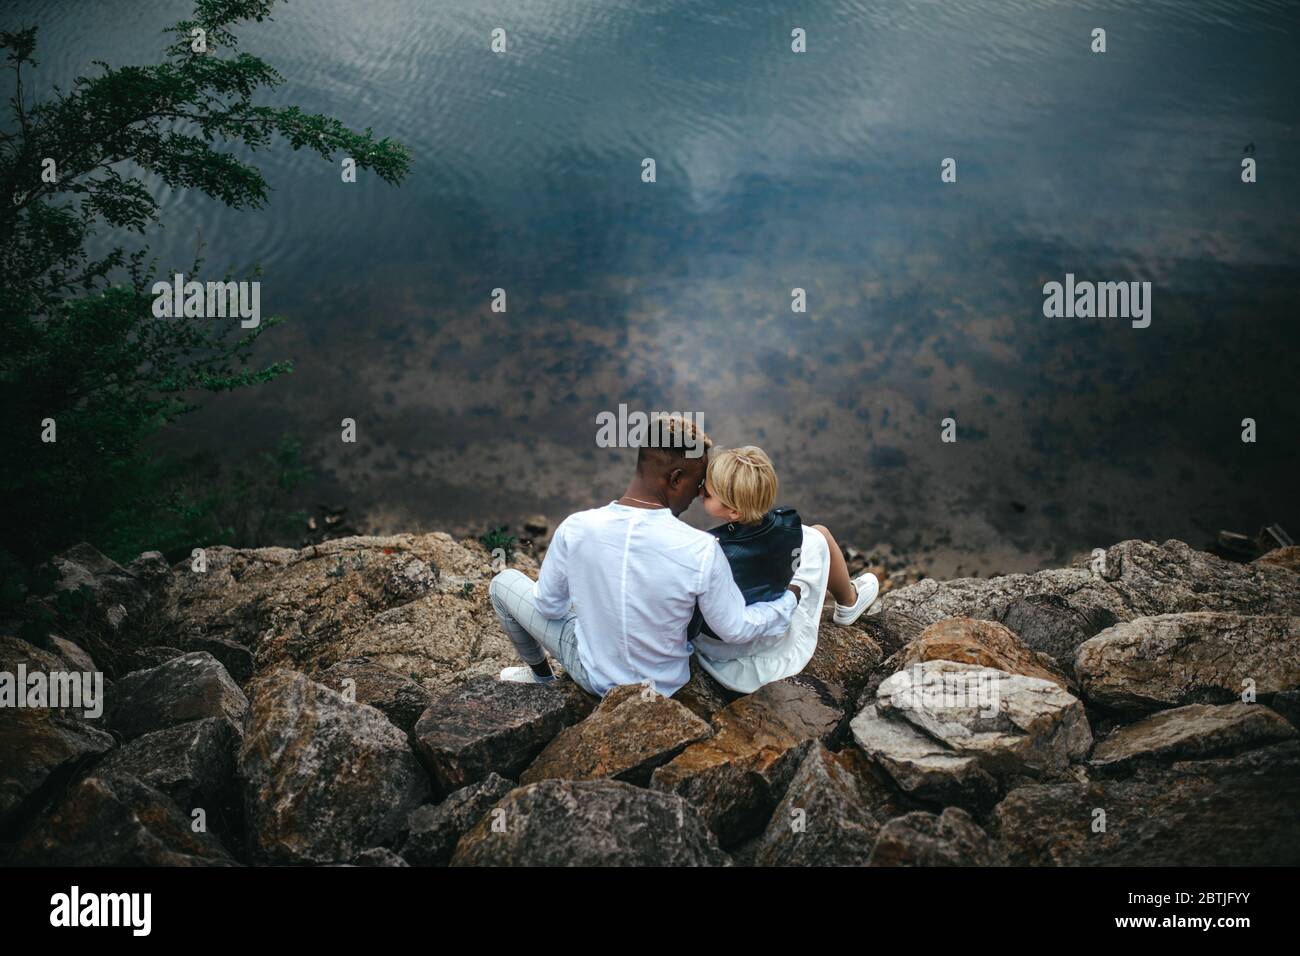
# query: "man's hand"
[[795, 589]]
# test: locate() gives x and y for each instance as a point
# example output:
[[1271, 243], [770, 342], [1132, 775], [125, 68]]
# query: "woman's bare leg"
[[839, 583]]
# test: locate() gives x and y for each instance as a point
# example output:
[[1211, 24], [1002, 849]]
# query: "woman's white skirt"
[[747, 667]]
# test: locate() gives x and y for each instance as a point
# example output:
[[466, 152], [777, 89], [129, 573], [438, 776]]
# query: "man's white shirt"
[[634, 576]]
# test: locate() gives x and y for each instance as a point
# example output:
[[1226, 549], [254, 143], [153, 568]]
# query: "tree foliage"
[[79, 343]]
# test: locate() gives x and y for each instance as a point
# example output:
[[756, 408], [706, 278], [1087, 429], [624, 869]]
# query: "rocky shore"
[[337, 705]]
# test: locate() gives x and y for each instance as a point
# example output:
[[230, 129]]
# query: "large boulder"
[[953, 732], [491, 725], [631, 732], [416, 604], [590, 823], [1128, 580], [1012, 723], [1196, 657], [1197, 730], [736, 777], [401, 699], [1232, 811], [950, 838], [985, 643], [923, 767], [1049, 623], [40, 748], [193, 763], [831, 813], [118, 609], [115, 820], [189, 687], [435, 829], [323, 778]]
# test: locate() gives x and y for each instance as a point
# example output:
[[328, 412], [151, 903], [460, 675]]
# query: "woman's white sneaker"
[[867, 587], [524, 675]]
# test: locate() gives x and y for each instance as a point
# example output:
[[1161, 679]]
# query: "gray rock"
[[491, 725], [323, 779], [951, 838], [1287, 703], [1136, 579], [115, 820], [590, 823], [434, 830], [1197, 730], [922, 766], [379, 856], [193, 763], [189, 687], [1233, 811], [830, 814], [235, 658], [147, 658], [1052, 625], [1199, 657], [401, 699]]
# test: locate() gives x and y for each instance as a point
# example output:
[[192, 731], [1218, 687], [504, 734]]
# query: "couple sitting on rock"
[[627, 592]]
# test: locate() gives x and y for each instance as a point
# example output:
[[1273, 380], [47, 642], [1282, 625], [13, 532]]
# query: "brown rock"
[[736, 777], [1194, 658], [40, 748], [401, 699], [985, 643], [631, 732], [492, 725], [846, 656], [1197, 730], [1288, 557], [702, 695]]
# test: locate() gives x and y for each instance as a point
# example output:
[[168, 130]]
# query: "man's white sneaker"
[[867, 587], [524, 675]]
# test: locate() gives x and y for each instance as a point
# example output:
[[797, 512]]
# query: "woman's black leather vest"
[[762, 556]]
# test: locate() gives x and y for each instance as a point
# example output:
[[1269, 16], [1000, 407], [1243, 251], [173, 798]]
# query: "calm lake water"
[[775, 171]]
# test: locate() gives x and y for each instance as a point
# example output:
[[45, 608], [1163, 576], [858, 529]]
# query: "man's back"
[[633, 575]]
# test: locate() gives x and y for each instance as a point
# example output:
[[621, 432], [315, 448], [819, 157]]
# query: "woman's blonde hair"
[[744, 480]]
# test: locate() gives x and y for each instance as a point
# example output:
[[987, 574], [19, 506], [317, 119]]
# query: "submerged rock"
[[590, 823]]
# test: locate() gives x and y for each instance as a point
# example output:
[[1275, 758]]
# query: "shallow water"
[[775, 171]]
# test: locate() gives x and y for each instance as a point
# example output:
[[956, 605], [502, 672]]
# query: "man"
[[619, 584]]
